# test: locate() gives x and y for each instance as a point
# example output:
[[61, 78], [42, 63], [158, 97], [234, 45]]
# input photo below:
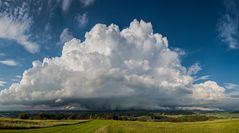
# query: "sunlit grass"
[[7, 123], [111, 126]]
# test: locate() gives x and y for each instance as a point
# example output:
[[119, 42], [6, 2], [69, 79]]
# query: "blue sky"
[[206, 32]]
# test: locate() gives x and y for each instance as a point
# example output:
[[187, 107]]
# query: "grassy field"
[[111, 126], [7, 123]]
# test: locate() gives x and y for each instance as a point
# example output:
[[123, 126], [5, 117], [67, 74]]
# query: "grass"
[[7, 123], [111, 126]]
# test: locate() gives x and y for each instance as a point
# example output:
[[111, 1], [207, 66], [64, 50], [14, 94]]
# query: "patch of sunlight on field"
[[226, 126], [111, 126]]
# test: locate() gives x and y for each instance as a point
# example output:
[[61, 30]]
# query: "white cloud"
[[15, 25], [228, 30], [17, 78], [8, 62], [205, 77], [199, 108], [179, 51], [111, 69], [194, 69], [65, 36], [82, 20], [66, 5], [87, 2], [47, 27], [2, 83], [231, 86], [208, 90], [228, 25], [58, 101], [2, 54]]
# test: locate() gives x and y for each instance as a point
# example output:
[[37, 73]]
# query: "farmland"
[[114, 126]]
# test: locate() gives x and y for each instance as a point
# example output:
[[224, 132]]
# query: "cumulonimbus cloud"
[[112, 69]]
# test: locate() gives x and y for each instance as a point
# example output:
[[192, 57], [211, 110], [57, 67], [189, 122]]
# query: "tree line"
[[118, 116]]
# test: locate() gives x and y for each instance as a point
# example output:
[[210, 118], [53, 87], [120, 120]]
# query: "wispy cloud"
[[65, 36], [205, 77], [82, 19], [87, 2], [228, 25], [9, 62], [180, 51], [15, 25], [194, 69], [2, 83], [17, 78], [66, 5], [231, 86], [199, 108], [2, 54]]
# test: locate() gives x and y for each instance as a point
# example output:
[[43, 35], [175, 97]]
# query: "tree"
[[23, 116]]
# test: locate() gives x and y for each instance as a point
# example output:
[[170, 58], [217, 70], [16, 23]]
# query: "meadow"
[[116, 126]]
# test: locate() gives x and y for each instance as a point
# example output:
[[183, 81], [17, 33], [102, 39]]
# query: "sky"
[[105, 54]]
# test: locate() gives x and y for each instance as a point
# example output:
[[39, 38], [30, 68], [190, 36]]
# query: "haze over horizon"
[[96, 55]]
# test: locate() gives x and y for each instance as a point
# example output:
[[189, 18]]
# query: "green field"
[[112, 126]]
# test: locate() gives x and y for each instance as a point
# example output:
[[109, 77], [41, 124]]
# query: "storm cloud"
[[132, 68]]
